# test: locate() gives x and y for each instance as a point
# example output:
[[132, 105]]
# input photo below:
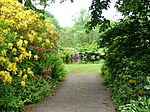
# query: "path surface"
[[78, 93]]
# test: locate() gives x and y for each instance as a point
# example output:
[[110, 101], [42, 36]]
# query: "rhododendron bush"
[[28, 57], [24, 40]]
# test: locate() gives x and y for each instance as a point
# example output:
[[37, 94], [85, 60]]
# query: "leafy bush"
[[29, 64], [90, 53], [127, 66], [67, 54], [142, 104]]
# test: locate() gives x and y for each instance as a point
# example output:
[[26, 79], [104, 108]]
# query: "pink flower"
[[35, 78], [49, 70], [45, 70], [46, 77], [49, 36]]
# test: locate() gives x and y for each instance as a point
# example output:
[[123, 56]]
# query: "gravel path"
[[78, 93]]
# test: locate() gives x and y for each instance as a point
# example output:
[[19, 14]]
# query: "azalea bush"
[[27, 43]]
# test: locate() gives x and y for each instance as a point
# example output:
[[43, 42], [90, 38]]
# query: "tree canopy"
[[127, 54]]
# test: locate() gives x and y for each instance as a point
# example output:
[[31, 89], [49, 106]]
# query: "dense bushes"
[[127, 64], [67, 54], [90, 53], [29, 64]]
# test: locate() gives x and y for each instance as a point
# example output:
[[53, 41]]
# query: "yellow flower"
[[1, 39], [20, 73], [14, 50], [43, 45], [25, 77], [24, 24], [21, 37], [3, 52], [2, 73], [9, 67], [40, 39], [29, 54], [28, 69], [14, 68], [3, 59], [47, 41], [132, 81], [16, 59], [23, 83], [31, 37], [19, 43], [33, 32], [7, 78], [36, 57], [10, 45], [23, 49], [31, 73], [21, 57], [25, 42], [11, 22]]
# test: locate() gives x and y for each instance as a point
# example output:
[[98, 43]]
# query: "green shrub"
[[142, 104], [127, 60]]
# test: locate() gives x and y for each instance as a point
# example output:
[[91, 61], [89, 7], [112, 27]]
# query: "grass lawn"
[[83, 68]]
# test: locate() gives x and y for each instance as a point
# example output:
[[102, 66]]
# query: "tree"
[[127, 55], [76, 35], [55, 23], [29, 3]]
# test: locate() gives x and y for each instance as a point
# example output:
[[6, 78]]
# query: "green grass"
[[83, 68]]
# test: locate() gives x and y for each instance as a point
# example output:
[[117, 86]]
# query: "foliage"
[[67, 54], [88, 48], [76, 35], [30, 4], [29, 64], [126, 68], [14, 97], [127, 58], [96, 9], [90, 53], [141, 105], [54, 23]]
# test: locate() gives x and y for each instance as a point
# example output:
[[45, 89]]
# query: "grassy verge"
[[83, 68]]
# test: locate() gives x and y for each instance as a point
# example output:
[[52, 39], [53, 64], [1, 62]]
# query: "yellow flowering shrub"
[[24, 39]]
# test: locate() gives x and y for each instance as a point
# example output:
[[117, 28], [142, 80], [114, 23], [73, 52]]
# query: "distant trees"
[[53, 20], [76, 35]]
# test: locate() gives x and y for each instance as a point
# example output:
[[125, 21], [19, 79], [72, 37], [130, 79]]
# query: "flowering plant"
[[24, 41]]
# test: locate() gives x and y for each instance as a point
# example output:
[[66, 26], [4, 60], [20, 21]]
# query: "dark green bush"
[[127, 60]]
